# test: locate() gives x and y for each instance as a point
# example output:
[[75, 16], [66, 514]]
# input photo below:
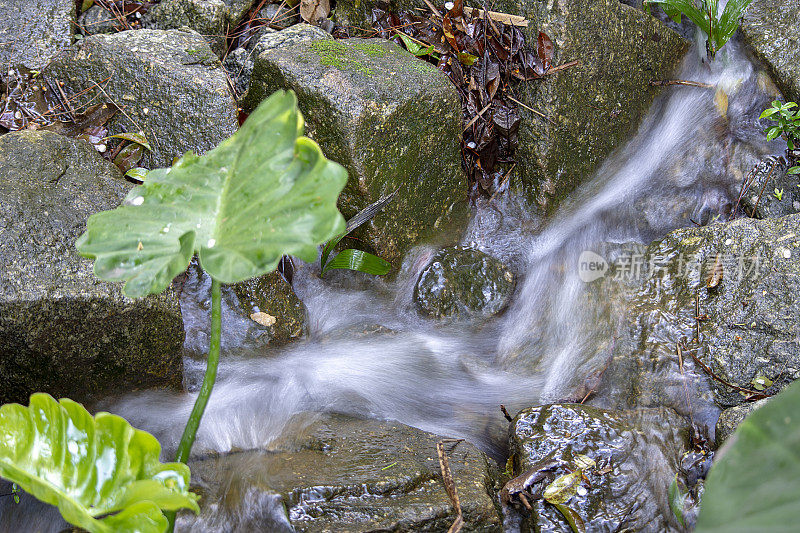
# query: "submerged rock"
[[636, 454], [592, 108], [32, 32], [770, 28], [772, 193], [344, 474], [214, 19], [171, 84], [62, 330], [269, 302], [388, 135], [465, 283]]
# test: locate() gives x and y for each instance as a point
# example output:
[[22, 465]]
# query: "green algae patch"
[[337, 55]]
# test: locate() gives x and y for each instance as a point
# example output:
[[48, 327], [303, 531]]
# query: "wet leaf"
[[52, 450], [721, 102], [754, 484], [573, 518], [239, 218], [137, 138], [715, 275], [677, 498], [137, 173], [506, 120], [584, 462], [545, 50], [563, 487], [359, 260], [467, 59], [128, 157], [761, 383]]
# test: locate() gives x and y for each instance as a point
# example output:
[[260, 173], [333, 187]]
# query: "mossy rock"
[[62, 330], [388, 135], [594, 107], [345, 474], [770, 29], [170, 82]]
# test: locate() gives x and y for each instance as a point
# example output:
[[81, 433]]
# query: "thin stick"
[[433, 8], [476, 117], [769, 176], [532, 110], [505, 413], [505, 18], [563, 66], [752, 394], [450, 485], [688, 83], [505, 179]]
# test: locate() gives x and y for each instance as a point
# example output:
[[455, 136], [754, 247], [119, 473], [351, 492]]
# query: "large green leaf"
[[688, 8], [261, 194], [729, 20], [754, 484], [103, 474]]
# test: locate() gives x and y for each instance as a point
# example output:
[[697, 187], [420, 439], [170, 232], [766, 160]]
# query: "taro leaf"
[[573, 518], [677, 499], [545, 50], [137, 138], [754, 484], [90, 466], [359, 260], [563, 487], [261, 194]]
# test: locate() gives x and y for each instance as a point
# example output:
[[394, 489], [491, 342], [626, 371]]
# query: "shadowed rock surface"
[[62, 330]]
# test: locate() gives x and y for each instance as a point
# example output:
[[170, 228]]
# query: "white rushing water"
[[369, 354]]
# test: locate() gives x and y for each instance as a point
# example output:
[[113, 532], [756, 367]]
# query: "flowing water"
[[369, 354]]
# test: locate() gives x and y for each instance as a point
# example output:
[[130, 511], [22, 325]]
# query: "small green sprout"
[[778, 194]]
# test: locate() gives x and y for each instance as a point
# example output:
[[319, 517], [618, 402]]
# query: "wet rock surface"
[[346, 474], [381, 131], [730, 419], [748, 329], [171, 84], [637, 455], [62, 330], [772, 193], [770, 29], [463, 283], [592, 108], [97, 20], [32, 32], [213, 19]]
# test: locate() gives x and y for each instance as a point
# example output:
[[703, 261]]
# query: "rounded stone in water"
[[463, 283]]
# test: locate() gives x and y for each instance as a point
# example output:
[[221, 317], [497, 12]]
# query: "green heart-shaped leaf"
[[101, 473], [263, 193]]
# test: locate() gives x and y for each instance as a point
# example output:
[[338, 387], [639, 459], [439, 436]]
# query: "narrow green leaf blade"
[[677, 498], [729, 21], [688, 8], [359, 260], [754, 484], [89, 466], [263, 193]]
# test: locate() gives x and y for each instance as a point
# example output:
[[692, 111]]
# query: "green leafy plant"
[[718, 27], [787, 117], [778, 194], [357, 259], [265, 192], [754, 484], [102, 474]]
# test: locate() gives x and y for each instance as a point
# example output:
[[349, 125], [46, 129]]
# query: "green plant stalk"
[[190, 431]]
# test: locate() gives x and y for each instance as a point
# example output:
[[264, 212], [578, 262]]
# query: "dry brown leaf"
[[263, 318], [715, 275], [313, 10]]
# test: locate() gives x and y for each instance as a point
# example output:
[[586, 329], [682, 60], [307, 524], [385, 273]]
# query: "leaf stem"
[[190, 431]]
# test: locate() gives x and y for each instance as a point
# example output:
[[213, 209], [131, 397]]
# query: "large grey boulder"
[[388, 135], [749, 335], [214, 19], [170, 83], [32, 32], [344, 474], [62, 330], [592, 108], [771, 28], [637, 455]]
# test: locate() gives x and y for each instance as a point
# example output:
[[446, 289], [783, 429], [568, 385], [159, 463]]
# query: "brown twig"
[[769, 176], [532, 110], [505, 413], [752, 395], [688, 83], [449, 484], [562, 67]]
